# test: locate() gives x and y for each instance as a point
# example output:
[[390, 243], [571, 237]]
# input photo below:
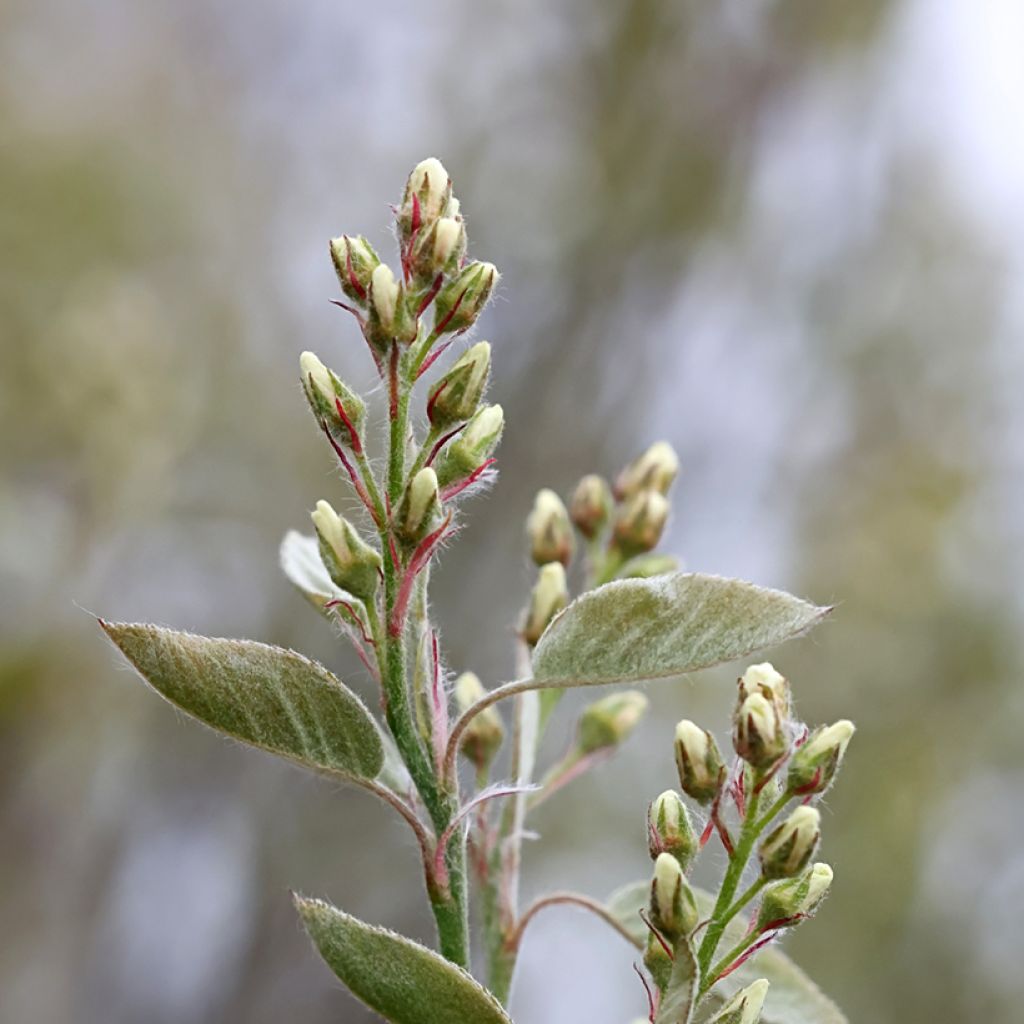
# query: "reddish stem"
[[442, 442], [430, 296], [421, 556], [433, 358], [357, 483], [449, 492]]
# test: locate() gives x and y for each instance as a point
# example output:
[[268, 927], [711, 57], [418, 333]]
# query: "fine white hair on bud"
[[814, 766], [485, 425], [446, 238], [699, 761], [764, 679], [759, 737], [673, 905], [421, 503], [429, 181], [788, 849], [788, 902], [669, 829], [312, 369], [384, 292], [745, 1006]]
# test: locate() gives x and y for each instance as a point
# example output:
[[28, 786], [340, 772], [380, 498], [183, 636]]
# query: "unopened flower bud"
[[767, 681], [640, 522], [472, 448], [548, 530], [354, 262], [814, 765], [658, 961], [463, 298], [745, 1006], [457, 394], [482, 738], [609, 721], [549, 596], [643, 567], [324, 390], [449, 242], [591, 505], [427, 196], [655, 470], [384, 295], [669, 829], [758, 736], [788, 849], [673, 905], [701, 769], [419, 506], [788, 902], [349, 560]]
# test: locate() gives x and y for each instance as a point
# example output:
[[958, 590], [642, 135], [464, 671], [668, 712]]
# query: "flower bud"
[[354, 262], [771, 684], [758, 735], [790, 901], [745, 1006], [653, 471], [669, 829], [608, 722], [814, 765], [384, 295], [673, 905], [591, 505], [701, 769], [658, 961], [482, 738], [458, 393], [462, 299], [548, 530], [349, 560], [640, 522], [430, 185], [419, 506], [472, 448], [788, 849], [449, 242], [643, 567], [549, 596], [323, 387]]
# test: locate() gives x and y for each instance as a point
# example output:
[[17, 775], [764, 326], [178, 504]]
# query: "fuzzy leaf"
[[677, 1000], [301, 563], [406, 983], [625, 905], [272, 698], [631, 630]]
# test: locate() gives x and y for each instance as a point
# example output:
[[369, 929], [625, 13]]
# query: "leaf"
[[637, 629], [301, 563], [272, 698], [677, 1000], [792, 998], [406, 983]]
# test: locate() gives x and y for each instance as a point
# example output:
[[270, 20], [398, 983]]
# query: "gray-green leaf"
[[406, 983], [272, 698], [676, 1005], [631, 630], [301, 562]]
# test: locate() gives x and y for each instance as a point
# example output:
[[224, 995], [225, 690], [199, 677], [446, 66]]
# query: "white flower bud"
[[548, 529], [324, 389], [814, 765], [759, 737], [457, 394], [312, 369], [609, 721], [669, 829], [673, 905], [640, 522], [591, 505], [550, 595], [765, 680], [483, 736], [447, 236], [788, 849], [354, 262], [384, 295], [745, 1006], [463, 298], [419, 505], [655, 470], [429, 182], [470, 450], [699, 761], [788, 902], [352, 563]]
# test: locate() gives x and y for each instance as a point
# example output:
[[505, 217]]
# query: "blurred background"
[[786, 235]]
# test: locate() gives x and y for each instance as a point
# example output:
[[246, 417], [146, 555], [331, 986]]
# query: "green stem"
[[613, 562], [737, 862], [737, 951], [752, 891], [433, 436]]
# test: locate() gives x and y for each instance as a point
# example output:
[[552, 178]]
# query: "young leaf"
[[637, 629], [301, 563], [267, 696], [625, 905], [406, 983], [677, 999]]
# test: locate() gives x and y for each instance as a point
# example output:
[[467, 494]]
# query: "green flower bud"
[[643, 567], [673, 905], [550, 595], [788, 849], [609, 721], [457, 394], [655, 470], [814, 765], [322, 387], [349, 560], [419, 506], [548, 530], [700, 765], [483, 737], [472, 448], [669, 829], [745, 1006], [794, 898], [591, 505], [758, 735], [462, 299], [354, 262], [432, 188], [640, 522], [658, 962]]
